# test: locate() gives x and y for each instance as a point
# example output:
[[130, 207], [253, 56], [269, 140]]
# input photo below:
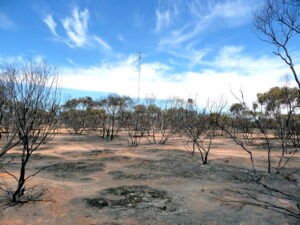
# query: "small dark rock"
[[96, 202]]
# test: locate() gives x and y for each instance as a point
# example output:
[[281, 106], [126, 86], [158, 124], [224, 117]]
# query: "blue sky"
[[190, 48]]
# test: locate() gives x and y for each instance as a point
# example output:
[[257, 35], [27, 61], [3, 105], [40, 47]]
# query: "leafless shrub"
[[33, 95]]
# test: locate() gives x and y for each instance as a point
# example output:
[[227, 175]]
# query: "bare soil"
[[86, 180]]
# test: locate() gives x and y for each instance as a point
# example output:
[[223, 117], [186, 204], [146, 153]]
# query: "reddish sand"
[[215, 198]]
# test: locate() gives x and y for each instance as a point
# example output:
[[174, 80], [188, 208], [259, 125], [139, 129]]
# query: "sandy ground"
[[90, 181]]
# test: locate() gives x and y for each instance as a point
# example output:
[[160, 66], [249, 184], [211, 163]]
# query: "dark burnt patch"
[[35, 156], [191, 168], [88, 153], [117, 174], [74, 169], [96, 202], [137, 197], [115, 158]]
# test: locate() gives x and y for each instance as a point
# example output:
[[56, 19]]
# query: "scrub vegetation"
[[172, 162]]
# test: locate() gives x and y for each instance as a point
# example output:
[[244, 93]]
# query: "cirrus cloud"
[[6, 23], [76, 30]]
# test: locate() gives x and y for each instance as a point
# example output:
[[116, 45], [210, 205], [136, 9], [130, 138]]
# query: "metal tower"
[[139, 55]]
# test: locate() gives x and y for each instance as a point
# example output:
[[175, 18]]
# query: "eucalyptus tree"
[[117, 108], [153, 116], [81, 114], [242, 125], [138, 124], [171, 120], [95, 119], [282, 104]]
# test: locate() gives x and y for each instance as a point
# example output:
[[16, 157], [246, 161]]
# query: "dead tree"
[[34, 101], [279, 23], [8, 133], [199, 132], [274, 118], [217, 115]]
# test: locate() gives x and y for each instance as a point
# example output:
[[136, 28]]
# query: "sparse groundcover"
[[39, 157], [176, 153], [115, 158], [99, 152], [117, 174], [262, 196], [90, 153], [36, 156], [133, 197], [103, 155], [69, 170], [13, 160], [189, 168]]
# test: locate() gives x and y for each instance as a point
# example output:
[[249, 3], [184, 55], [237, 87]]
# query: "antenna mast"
[[139, 55]]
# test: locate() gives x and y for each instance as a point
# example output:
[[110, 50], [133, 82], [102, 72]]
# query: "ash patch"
[[86, 179], [117, 174], [132, 197], [191, 168], [36, 156], [116, 158], [73, 169], [154, 150], [88, 153], [175, 153], [96, 152], [44, 157], [13, 160], [96, 202]]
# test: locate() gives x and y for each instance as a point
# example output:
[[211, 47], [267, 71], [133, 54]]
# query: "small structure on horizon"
[[139, 55]]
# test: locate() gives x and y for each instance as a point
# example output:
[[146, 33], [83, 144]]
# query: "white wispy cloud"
[[138, 19], [39, 58], [6, 23], [10, 59], [20, 59], [195, 18], [121, 38], [162, 19], [250, 74], [76, 30], [102, 43], [208, 15], [48, 20], [76, 26], [70, 61], [228, 9], [190, 57], [234, 59]]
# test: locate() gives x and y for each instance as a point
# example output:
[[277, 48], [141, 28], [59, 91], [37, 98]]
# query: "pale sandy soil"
[[154, 184]]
